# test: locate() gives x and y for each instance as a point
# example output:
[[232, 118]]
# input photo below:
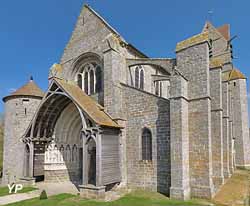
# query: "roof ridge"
[[113, 30], [104, 21]]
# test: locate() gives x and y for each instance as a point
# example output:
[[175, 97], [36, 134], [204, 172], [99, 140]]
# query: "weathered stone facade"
[[18, 114], [113, 115]]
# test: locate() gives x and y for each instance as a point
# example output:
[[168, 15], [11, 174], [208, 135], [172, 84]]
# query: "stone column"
[[225, 104], [216, 126], [98, 160], [123, 149], [84, 159], [193, 62], [231, 148], [240, 126], [179, 135], [230, 131], [112, 88], [31, 163]]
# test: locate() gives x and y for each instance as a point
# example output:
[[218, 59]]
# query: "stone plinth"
[[92, 192], [27, 181]]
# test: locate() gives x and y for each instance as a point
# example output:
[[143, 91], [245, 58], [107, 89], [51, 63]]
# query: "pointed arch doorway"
[[91, 161], [27, 161]]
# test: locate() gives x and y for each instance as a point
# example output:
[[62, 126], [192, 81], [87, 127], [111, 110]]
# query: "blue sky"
[[33, 34]]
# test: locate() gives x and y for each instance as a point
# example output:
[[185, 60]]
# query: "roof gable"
[[90, 32], [86, 103], [225, 31]]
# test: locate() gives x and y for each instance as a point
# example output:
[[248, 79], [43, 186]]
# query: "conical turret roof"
[[29, 89]]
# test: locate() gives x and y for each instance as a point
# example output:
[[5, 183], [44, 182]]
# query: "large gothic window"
[[90, 78], [139, 77], [158, 88], [146, 144]]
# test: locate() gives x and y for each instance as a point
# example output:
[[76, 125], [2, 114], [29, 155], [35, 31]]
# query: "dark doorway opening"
[[38, 170], [27, 161], [91, 162], [80, 163]]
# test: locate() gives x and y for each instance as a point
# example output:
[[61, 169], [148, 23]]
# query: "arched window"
[[79, 80], [139, 77], [86, 82], [92, 82], [90, 78], [146, 144], [158, 88], [98, 74]]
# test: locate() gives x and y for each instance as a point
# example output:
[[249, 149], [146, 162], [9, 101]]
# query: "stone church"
[[113, 116]]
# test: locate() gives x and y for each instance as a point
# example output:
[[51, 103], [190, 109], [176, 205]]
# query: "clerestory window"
[[139, 77]]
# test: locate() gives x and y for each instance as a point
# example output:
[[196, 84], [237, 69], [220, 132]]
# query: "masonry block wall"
[[193, 63], [179, 131], [225, 113], [240, 123], [146, 110], [216, 126], [199, 133]]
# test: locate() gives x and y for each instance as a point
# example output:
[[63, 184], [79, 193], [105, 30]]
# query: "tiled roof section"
[[29, 89], [236, 74], [95, 111], [199, 38], [225, 31], [215, 63], [232, 75]]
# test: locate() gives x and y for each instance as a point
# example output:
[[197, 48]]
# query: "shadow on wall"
[[163, 147], [62, 163], [1, 142]]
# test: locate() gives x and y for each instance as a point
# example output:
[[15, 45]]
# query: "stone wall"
[[240, 123], [146, 110], [216, 126], [225, 113], [179, 133], [193, 63], [18, 114]]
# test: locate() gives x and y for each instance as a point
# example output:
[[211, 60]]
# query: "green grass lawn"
[[134, 199], [5, 190]]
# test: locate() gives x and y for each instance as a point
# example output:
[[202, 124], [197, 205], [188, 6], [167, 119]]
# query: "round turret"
[[20, 107]]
